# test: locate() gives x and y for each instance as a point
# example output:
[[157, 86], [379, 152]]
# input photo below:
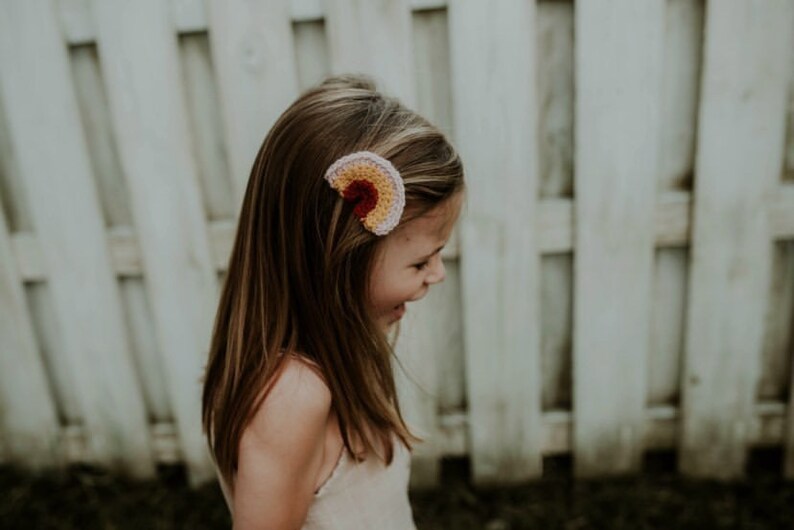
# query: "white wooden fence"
[[645, 304]]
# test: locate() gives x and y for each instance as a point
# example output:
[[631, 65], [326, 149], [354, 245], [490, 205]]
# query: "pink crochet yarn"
[[373, 183]]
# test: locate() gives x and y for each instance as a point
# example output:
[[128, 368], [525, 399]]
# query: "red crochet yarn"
[[364, 194]]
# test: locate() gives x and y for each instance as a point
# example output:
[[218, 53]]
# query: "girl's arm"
[[281, 452]]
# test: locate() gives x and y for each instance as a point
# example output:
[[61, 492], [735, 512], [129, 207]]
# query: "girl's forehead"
[[433, 226]]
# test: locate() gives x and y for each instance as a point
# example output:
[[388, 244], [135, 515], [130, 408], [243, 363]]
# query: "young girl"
[[350, 200]]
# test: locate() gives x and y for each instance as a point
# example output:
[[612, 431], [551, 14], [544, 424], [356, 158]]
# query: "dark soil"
[[85, 498]]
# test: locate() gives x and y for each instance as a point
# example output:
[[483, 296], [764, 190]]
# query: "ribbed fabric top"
[[360, 495], [364, 495]]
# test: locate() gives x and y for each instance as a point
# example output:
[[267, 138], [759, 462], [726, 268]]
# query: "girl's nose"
[[437, 272]]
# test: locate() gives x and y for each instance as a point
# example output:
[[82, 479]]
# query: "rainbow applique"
[[374, 185]]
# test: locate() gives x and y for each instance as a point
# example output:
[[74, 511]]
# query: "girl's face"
[[409, 261]]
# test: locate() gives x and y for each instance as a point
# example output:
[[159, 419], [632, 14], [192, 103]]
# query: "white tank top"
[[360, 495], [364, 495]]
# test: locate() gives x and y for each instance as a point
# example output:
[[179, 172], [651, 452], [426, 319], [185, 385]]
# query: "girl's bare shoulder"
[[281, 450], [299, 388]]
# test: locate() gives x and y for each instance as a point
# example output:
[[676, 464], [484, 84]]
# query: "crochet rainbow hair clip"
[[375, 187]]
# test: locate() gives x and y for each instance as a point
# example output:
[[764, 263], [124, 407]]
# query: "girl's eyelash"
[[420, 266]]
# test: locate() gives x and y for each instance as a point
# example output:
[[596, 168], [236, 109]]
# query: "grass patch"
[[85, 498]]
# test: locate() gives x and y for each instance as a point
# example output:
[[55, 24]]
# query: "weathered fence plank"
[[426, 332], [417, 384], [747, 52], [138, 53], [48, 142], [619, 61], [435, 358], [375, 37], [555, 103], [788, 176], [254, 56], [493, 71], [311, 53], [27, 413], [788, 441], [206, 124], [682, 60]]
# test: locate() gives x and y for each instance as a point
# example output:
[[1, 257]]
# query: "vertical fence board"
[[555, 101], [682, 51], [431, 61], [493, 71], [434, 101], [373, 37], [254, 56], [668, 314], [450, 369], [619, 61], [788, 351], [788, 174], [143, 337], [556, 314], [27, 413], [54, 354], [555, 126], [778, 325], [681, 80], [747, 50], [207, 126], [12, 191], [92, 101], [48, 140], [788, 442], [417, 384], [311, 53], [138, 54], [421, 345], [788, 164]]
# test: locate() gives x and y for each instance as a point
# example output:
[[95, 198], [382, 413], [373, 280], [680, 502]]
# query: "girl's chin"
[[394, 316], [398, 312]]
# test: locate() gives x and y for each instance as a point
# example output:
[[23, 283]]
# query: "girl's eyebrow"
[[436, 250]]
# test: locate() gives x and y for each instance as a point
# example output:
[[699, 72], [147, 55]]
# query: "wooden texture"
[[554, 231], [254, 57], [493, 71], [668, 316], [776, 354], [747, 51], [139, 57], [680, 87], [206, 123], [661, 433], [161, 108], [619, 58], [311, 53], [555, 101], [788, 175], [373, 37], [53, 162], [428, 330], [27, 412], [683, 42]]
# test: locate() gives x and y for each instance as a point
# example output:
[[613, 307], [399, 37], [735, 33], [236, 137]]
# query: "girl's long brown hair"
[[298, 274]]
